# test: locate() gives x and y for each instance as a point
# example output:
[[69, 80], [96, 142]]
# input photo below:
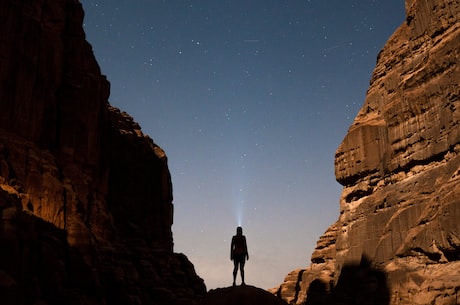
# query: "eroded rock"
[[400, 162], [85, 196]]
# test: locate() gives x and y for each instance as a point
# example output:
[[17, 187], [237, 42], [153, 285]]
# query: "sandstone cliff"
[[85, 197], [399, 166]]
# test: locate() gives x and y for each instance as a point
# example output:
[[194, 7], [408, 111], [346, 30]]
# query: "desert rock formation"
[[85, 197], [399, 166]]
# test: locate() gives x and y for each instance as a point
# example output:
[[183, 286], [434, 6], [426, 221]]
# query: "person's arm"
[[231, 248], [246, 248]]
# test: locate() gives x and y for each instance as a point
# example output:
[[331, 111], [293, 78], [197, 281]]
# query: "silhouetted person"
[[239, 254]]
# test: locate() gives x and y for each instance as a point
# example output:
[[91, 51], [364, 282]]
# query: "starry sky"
[[249, 99]]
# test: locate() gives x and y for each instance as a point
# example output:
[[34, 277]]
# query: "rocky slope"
[[399, 166], [85, 197]]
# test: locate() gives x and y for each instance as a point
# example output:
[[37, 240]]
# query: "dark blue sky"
[[250, 100]]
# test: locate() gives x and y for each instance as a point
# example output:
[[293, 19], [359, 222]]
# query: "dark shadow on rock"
[[318, 293], [358, 284], [241, 295], [37, 265]]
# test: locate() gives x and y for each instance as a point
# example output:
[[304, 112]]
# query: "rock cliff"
[[85, 197], [399, 165]]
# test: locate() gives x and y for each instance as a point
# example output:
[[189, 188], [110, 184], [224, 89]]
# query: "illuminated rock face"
[[85, 197], [400, 161], [400, 165]]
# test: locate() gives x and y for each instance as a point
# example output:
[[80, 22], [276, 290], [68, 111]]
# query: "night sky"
[[249, 99]]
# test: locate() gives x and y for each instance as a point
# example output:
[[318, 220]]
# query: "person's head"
[[239, 231]]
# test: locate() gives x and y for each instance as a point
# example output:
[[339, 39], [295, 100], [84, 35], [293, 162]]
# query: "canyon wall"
[[399, 165], [85, 197]]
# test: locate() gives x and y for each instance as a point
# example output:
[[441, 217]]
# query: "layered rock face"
[[85, 197], [400, 168]]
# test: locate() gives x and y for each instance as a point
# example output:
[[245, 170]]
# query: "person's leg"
[[242, 271], [235, 270]]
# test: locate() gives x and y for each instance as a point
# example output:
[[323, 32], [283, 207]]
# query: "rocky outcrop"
[[85, 196], [400, 166], [241, 295]]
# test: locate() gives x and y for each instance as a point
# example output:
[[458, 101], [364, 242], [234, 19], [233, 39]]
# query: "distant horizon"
[[250, 101]]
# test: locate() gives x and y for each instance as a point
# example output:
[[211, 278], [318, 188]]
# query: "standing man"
[[239, 254]]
